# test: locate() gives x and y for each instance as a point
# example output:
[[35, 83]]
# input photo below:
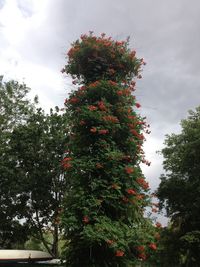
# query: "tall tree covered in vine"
[[103, 213]]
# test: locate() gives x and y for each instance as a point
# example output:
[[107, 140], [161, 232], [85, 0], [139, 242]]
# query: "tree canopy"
[[179, 190], [15, 109], [32, 180], [38, 148]]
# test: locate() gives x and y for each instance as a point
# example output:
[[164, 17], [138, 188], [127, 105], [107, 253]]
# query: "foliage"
[[104, 207], [92, 58], [180, 187], [15, 109], [37, 148]]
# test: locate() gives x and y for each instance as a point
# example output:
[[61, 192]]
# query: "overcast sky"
[[35, 35]]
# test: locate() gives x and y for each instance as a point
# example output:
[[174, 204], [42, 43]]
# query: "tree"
[[104, 208], [179, 189], [37, 148], [15, 108]]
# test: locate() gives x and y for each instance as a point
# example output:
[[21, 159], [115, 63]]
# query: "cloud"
[[166, 33]]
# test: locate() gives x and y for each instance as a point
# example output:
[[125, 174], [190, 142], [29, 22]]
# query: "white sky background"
[[35, 35]]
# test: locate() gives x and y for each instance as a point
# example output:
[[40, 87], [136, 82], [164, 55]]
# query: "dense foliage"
[[104, 208], [179, 190], [37, 148], [15, 109], [31, 178]]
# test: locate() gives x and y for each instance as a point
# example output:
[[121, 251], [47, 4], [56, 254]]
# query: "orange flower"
[[101, 106], [140, 248], [85, 219], [142, 183], [153, 246], [119, 253], [119, 92], [103, 131], [94, 84], [125, 200], [137, 105], [82, 122], [73, 100], [139, 197], [110, 242], [158, 225], [131, 192], [111, 118], [111, 71], [131, 117], [66, 163], [142, 256], [112, 83], [132, 54], [92, 108], [157, 236], [99, 165], [129, 170], [93, 130]]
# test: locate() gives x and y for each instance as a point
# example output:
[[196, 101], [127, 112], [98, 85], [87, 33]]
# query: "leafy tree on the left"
[[38, 148], [31, 176], [15, 109]]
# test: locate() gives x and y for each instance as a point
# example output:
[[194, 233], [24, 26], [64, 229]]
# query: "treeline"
[[33, 182]]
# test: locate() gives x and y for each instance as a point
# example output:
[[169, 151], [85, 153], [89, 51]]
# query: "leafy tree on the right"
[[179, 192]]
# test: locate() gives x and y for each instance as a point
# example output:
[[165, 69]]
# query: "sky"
[[35, 36]]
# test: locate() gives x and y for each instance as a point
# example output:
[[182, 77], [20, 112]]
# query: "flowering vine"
[[104, 210]]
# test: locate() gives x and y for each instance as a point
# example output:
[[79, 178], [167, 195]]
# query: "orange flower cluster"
[[142, 183], [73, 100], [101, 106], [140, 248], [99, 165], [93, 130], [111, 119], [66, 163], [111, 71], [139, 197], [92, 108], [157, 236], [112, 83], [82, 122], [119, 253], [131, 191], [110, 242], [139, 136], [125, 199], [125, 92], [137, 105], [142, 256], [132, 54], [94, 84], [86, 219], [131, 117], [72, 51], [153, 246], [158, 225], [103, 131], [129, 170]]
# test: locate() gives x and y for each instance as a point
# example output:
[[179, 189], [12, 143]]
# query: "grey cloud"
[[165, 33]]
